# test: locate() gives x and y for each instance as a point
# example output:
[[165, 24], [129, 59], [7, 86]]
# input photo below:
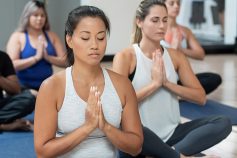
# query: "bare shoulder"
[[186, 30], [124, 61], [52, 36], [15, 43], [116, 77], [52, 83], [126, 53], [17, 36]]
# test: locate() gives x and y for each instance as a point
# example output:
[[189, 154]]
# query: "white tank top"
[[159, 111], [72, 115]]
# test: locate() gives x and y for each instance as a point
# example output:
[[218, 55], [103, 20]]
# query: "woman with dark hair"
[[154, 72], [91, 111], [33, 48]]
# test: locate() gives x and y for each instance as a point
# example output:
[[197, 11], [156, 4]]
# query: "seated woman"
[[33, 48], [182, 39], [154, 72], [94, 111]]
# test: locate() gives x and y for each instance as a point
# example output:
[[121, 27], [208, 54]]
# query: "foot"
[[34, 92], [19, 124]]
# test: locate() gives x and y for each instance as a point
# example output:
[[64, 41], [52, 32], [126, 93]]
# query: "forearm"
[[125, 141], [21, 64], [195, 54], [196, 95], [62, 145], [9, 86], [56, 60]]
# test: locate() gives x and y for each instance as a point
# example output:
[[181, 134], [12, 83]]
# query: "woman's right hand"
[[156, 71], [93, 108], [40, 48]]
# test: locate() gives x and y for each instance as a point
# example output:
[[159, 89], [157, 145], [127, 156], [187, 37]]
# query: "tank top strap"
[[47, 38], [69, 89], [137, 49], [139, 55], [106, 78], [27, 38]]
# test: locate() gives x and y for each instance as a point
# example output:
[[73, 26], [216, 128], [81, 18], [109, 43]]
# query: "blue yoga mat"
[[194, 111], [17, 144]]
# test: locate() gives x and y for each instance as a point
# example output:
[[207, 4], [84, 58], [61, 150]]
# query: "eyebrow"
[[157, 17], [90, 32]]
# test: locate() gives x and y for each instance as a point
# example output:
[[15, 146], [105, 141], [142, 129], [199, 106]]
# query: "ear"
[[139, 23], [69, 41]]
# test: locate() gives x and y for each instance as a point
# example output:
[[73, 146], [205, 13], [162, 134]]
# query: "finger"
[[99, 107], [100, 111], [163, 68], [98, 95], [91, 95], [159, 53], [153, 56]]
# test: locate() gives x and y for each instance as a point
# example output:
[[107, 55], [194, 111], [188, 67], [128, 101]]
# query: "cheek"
[[149, 27], [32, 19], [103, 45]]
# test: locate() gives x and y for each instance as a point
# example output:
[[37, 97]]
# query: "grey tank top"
[[72, 115], [160, 111]]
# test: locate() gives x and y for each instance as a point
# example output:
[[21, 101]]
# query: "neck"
[[34, 32], [148, 47], [86, 74], [172, 22]]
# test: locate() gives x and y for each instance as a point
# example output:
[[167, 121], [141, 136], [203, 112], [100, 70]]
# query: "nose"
[[94, 43], [176, 5], [161, 24], [40, 17]]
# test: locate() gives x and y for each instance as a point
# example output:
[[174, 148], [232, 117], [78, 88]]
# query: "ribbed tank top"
[[160, 111], [72, 115]]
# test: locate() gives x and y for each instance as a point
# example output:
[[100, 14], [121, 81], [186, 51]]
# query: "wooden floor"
[[226, 66]]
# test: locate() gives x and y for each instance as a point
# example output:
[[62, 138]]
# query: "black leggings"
[[189, 138], [209, 81], [17, 106]]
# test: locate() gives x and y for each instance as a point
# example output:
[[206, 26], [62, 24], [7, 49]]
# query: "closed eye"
[[101, 39], [85, 39]]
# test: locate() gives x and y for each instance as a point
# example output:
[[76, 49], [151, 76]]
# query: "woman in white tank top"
[[154, 72], [86, 111]]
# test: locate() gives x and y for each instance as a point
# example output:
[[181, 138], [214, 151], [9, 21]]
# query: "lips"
[[95, 55], [160, 33]]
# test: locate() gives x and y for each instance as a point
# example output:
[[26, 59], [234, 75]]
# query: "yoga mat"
[[194, 111]]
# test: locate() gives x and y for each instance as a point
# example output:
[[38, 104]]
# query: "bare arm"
[[130, 138], [10, 84], [190, 89], [14, 50], [60, 58], [194, 49], [46, 115]]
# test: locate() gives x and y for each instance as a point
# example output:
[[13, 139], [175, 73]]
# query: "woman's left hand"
[[102, 122], [164, 77], [46, 55]]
